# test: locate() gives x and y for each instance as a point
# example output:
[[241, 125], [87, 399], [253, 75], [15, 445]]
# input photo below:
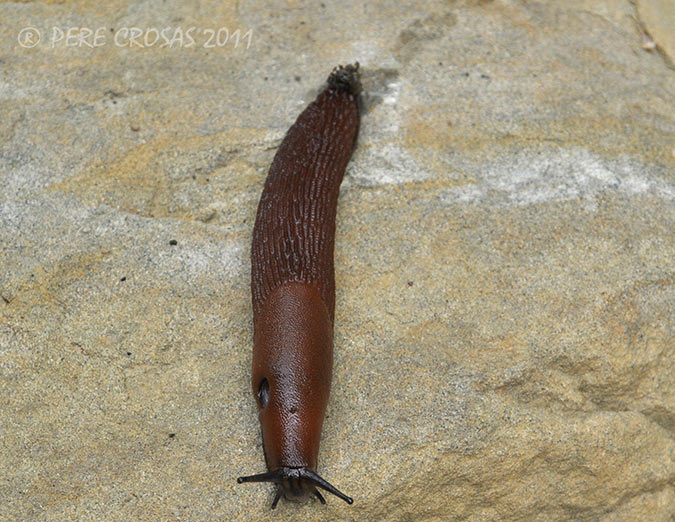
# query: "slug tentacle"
[[277, 496], [270, 476]]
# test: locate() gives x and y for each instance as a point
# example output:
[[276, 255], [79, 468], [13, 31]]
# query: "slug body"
[[293, 287]]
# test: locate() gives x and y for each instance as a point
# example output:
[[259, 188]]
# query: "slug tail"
[[345, 78]]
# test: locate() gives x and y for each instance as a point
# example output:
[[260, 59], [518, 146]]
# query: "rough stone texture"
[[505, 345], [658, 23]]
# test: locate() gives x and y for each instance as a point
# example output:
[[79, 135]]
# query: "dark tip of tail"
[[345, 78]]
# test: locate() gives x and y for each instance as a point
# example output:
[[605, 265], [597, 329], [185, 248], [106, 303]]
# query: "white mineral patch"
[[387, 164], [532, 178]]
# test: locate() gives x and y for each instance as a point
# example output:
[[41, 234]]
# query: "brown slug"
[[293, 287]]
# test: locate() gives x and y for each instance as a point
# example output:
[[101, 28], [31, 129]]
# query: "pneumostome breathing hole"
[[263, 393]]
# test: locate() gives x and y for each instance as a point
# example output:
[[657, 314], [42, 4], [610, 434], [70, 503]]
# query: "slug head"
[[296, 484], [292, 366]]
